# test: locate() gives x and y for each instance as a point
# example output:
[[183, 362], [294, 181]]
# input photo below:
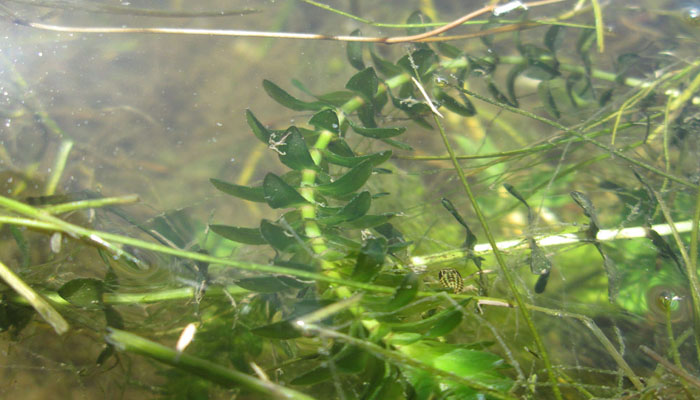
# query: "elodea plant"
[[369, 316]]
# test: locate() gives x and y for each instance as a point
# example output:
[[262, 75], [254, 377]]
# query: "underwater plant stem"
[[126, 341], [501, 262], [41, 306], [90, 203], [586, 138], [59, 166], [399, 359], [691, 270], [669, 366]]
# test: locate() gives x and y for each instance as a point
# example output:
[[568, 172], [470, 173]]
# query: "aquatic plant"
[[370, 279]]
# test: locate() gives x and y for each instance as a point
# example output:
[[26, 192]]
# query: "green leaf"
[[316, 375], [243, 192], [354, 209], [289, 101], [294, 153], [466, 109], [337, 98], [278, 330], [262, 284], [276, 236], [384, 67], [513, 74], [551, 37], [348, 183], [262, 133], [370, 260], [114, 318], [279, 194], [354, 51], [406, 292], [376, 133], [541, 63], [423, 59], [364, 82], [498, 96], [350, 162], [239, 234], [545, 94], [399, 145], [326, 119], [449, 50], [446, 324], [83, 292], [369, 221]]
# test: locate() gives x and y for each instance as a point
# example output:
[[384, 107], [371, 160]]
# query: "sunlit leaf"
[[279, 95], [354, 51], [83, 292], [348, 183], [279, 194]]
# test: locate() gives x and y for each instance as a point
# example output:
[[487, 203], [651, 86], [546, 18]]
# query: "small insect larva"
[[450, 278]]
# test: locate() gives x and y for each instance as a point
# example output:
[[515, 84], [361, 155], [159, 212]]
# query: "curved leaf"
[[354, 51], [545, 93], [326, 119], [239, 234], [294, 153], [349, 162], [279, 194], [279, 95], [376, 133], [83, 292], [262, 133], [276, 236], [278, 330], [243, 192], [406, 292], [370, 260], [364, 82], [348, 183], [466, 109]]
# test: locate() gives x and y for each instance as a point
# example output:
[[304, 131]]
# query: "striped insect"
[[451, 279]]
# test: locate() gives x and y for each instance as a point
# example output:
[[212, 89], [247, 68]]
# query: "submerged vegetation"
[[510, 212]]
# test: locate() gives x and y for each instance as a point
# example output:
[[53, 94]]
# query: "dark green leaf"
[[513, 74], [337, 98], [348, 183], [316, 375], [239, 234], [326, 119], [349, 162], [376, 133], [262, 133], [448, 50], [243, 192], [354, 51], [551, 37], [445, 324], [416, 18], [383, 66], [370, 260], [83, 292], [287, 100], [113, 318], [369, 221], [293, 151], [276, 236], [278, 330], [354, 209], [465, 109], [423, 60], [364, 82], [541, 283], [406, 292], [279, 194], [498, 96], [545, 94], [399, 145], [105, 354], [262, 284]]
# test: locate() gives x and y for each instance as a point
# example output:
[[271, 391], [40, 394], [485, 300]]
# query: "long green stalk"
[[501, 262]]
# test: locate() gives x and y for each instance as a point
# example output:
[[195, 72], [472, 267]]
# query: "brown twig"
[[430, 36]]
